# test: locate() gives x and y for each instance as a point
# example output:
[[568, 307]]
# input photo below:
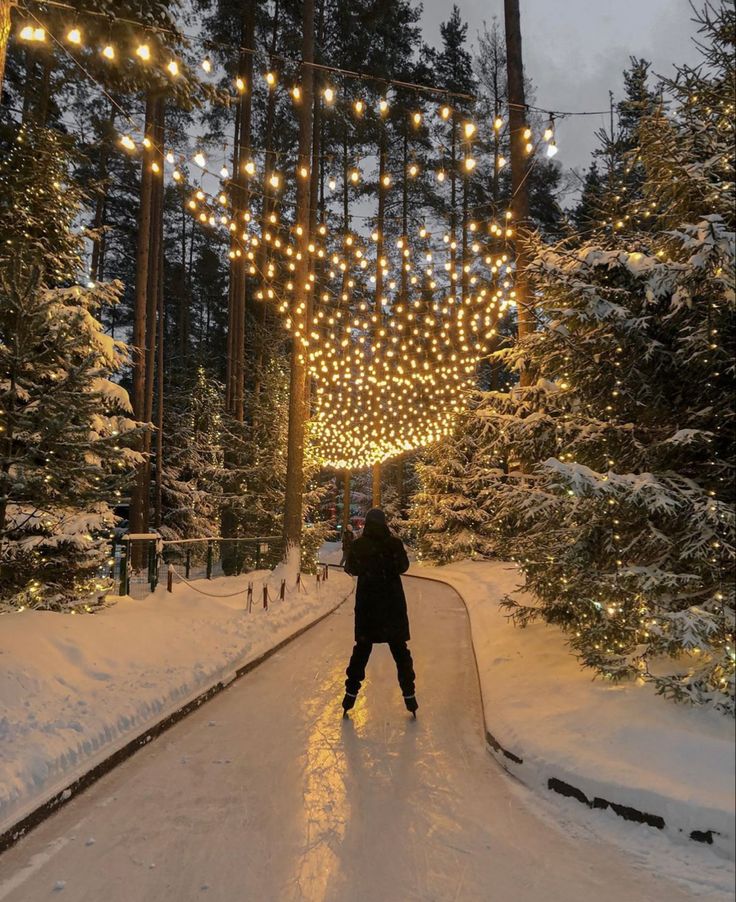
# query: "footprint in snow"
[[90, 841], [59, 886]]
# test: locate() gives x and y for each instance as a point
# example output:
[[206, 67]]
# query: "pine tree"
[[193, 459], [65, 424], [626, 529], [448, 520]]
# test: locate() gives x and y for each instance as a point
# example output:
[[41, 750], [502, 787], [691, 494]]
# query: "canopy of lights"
[[398, 318]]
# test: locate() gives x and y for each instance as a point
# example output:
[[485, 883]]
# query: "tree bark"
[[137, 504], [5, 6], [519, 166], [377, 307], [238, 275], [295, 446], [345, 500]]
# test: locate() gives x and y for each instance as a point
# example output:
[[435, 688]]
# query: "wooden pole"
[[295, 440], [519, 165]]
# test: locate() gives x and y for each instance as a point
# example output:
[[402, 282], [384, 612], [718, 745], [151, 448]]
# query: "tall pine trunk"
[[295, 442]]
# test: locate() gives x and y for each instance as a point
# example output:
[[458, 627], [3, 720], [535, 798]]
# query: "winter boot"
[[348, 703], [411, 704]]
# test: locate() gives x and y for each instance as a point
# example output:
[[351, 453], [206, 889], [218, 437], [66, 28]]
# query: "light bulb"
[[74, 36], [206, 65], [173, 68], [200, 160], [144, 52], [108, 51]]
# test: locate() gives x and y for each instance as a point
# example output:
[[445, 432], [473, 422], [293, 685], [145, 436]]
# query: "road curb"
[[21, 828]]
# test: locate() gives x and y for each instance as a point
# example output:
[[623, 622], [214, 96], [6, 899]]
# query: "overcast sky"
[[575, 50]]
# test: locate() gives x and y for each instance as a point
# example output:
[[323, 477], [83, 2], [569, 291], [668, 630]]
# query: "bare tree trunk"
[[238, 277], [160, 392], [345, 500], [378, 306], [453, 202], [154, 285], [519, 165], [269, 160], [98, 222], [137, 505], [5, 6], [295, 446]]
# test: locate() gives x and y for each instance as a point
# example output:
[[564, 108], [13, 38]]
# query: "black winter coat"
[[378, 559]]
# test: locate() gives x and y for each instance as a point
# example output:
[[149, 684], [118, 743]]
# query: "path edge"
[[513, 764], [21, 828]]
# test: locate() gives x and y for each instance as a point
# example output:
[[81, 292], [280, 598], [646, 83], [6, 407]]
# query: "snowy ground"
[[619, 742], [266, 793], [73, 689]]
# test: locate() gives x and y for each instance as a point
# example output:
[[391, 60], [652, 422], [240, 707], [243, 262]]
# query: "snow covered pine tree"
[[64, 422], [625, 526]]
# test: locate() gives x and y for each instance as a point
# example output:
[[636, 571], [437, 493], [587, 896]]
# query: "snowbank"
[[75, 689], [549, 720]]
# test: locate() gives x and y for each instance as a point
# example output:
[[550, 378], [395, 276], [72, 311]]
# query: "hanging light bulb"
[[199, 159], [386, 180], [417, 118], [275, 180], [127, 142], [143, 51], [296, 93], [551, 149], [470, 129], [413, 170], [169, 157], [329, 95], [270, 79], [108, 51], [250, 167], [176, 175], [383, 106], [74, 36], [354, 176], [498, 123], [224, 172], [501, 162], [332, 184], [240, 84], [206, 65], [359, 107], [173, 68], [440, 175], [445, 112]]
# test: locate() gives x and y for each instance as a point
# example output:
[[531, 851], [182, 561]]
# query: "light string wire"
[[181, 35]]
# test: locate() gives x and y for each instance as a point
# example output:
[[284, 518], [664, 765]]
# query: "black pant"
[[359, 659]]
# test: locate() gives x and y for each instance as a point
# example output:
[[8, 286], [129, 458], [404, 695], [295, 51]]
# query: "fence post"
[[258, 555], [282, 591], [250, 597], [124, 557], [188, 562], [209, 558], [265, 598], [152, 565], [170, 578]]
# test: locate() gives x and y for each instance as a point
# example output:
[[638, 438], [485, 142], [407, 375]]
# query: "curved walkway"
[[267, 794]]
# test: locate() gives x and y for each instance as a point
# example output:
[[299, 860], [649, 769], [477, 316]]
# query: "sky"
[[575, 51]]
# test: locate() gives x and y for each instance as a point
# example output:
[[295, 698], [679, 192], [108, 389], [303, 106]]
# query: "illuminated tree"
[[65, 425]]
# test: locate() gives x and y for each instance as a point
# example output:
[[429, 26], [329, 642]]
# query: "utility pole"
[[519, 165], [302, 287]]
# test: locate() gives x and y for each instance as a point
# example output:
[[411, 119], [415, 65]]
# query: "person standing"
[[378, 559], [348, 537]]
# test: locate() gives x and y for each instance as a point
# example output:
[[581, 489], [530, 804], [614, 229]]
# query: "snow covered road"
[[266, 793]]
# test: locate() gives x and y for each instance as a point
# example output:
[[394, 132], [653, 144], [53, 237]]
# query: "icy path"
[[267, 794]]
